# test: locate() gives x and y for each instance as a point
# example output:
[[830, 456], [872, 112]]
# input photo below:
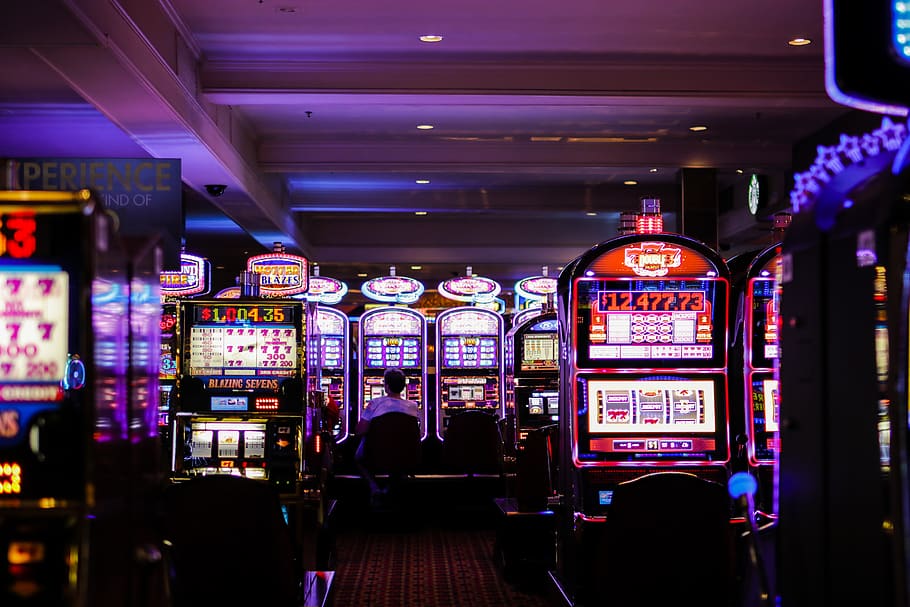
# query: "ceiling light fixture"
[[420, 212], [416, 267], [799, 42], [630, 182], [652, 170], [422, 181], [361, 275], [424, 127], [698, 128], [590, 213], [739, 171], [431, 38]]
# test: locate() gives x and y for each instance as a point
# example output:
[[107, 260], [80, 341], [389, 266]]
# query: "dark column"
[[698, 205]]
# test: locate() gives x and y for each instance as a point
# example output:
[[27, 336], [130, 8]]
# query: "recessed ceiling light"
[[698, 128], [416, 267], [799, 42], [739, 171], [420, 212], [424, 127], [652, 170], [422, 181], [431, 38], [590, 213], [361, 275], [630, 182]]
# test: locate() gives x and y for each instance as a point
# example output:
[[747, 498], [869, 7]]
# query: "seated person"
[[394, 382]]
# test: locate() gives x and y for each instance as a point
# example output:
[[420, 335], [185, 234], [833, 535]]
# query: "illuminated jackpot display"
[[469, 363], [393, 337]]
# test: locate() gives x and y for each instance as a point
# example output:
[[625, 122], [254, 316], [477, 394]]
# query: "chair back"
[[393, 444], [668, 540], [473, 444], [229, 543]]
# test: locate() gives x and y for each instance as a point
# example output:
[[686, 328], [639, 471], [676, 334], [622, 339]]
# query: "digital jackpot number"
[[33, 326], [243, 314], [17, 235], [651, 301]]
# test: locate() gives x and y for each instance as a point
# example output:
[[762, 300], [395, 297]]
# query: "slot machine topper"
[[78, 408]]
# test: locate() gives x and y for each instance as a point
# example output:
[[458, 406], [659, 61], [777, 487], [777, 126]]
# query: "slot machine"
[[644, 380], [761, 339], [532, 373], [193, 279], [844, 493], [334, 336], [393, 336], [469, 364], [79, 453], [241, 405]]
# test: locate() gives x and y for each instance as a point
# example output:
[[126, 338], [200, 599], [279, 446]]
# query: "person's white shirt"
[[388, 404]]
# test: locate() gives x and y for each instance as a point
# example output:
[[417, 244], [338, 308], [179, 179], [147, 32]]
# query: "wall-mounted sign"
[[324, 290], [395, 289], [282, 274], [194, 278], [145, 193], [475, 289], [757, 193]]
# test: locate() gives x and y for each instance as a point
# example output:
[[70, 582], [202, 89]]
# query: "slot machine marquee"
[[393, 336], [532, 372], [469, 363], [241, 389]]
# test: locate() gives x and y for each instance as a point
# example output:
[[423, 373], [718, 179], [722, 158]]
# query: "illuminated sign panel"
[[281, 274], [470, 289], [192, 279]]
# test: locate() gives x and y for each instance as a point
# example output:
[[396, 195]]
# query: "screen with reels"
[[764, 347], [539, 352], [383, 351], [470, 352]]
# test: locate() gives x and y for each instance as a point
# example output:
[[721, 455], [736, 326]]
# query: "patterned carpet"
[[419, 565]]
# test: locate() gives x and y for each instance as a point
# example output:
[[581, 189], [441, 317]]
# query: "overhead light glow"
[[431, 38], [799, 42], [630, 182], [416, 267], [424, 127], [590, 213], [739, 171], [361, 275], [420, 212], [652, 170], [422, 181], [698, 128]]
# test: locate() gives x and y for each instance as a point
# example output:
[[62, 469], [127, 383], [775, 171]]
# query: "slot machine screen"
[[623, 418], [539, 352], [333, 352], [232, 339], [543, 403], [765, 348], [383, 351], [651, 323], [470, 352]]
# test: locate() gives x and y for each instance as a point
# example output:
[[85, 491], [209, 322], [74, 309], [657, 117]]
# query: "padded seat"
[[392, 445], [229, 544], [473, 444], [668, 541]]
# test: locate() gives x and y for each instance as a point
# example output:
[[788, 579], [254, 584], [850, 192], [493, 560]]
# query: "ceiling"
[[307, 110]]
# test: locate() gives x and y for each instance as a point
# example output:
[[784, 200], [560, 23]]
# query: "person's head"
[[394, 380]]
